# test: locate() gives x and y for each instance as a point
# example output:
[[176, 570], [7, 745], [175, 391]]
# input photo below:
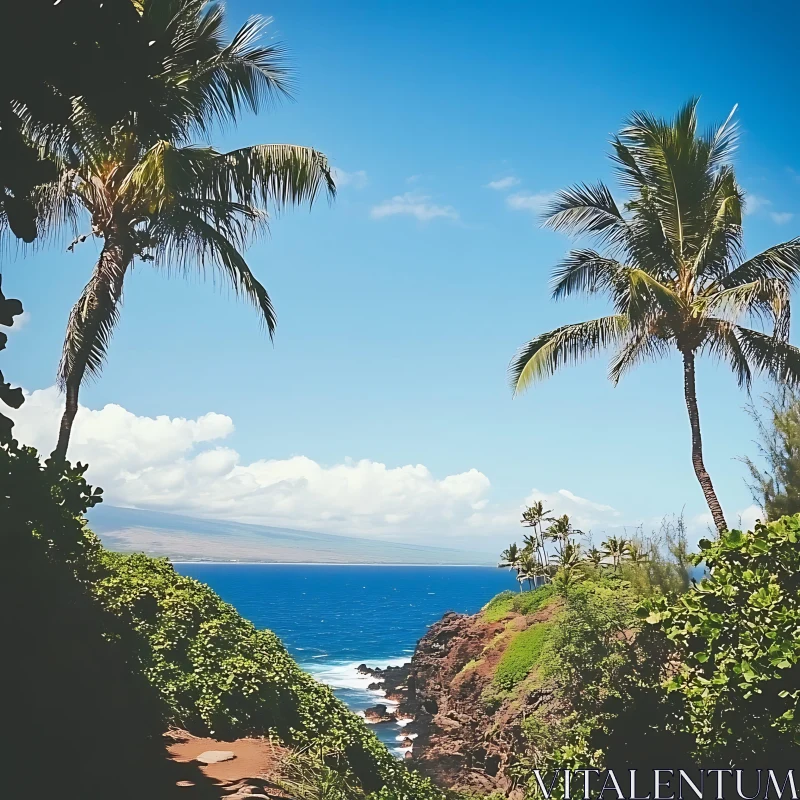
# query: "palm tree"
[[635, 554], [615, 548], [672, 263], [560, 530], [510, 558], [594, 557], [154, 197], [533, 516], [529, 568]]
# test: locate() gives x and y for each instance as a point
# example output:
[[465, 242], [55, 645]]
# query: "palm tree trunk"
[[67, 418], [88, 330], [690, 390]]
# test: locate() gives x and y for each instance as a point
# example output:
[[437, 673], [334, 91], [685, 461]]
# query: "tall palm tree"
[[671, 261], [153, 196]]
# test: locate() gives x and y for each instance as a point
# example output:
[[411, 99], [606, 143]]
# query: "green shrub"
[[736, 635], [522, 655]]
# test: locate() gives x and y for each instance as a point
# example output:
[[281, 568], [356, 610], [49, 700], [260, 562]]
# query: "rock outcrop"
[[467, 732]]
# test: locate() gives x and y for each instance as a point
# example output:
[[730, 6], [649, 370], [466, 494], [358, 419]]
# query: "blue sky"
[[395, 329]]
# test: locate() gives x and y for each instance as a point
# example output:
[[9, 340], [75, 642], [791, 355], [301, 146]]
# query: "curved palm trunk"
[[700, 471], [94, 311]]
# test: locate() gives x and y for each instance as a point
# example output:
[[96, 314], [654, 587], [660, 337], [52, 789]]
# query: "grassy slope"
[[523, 650]]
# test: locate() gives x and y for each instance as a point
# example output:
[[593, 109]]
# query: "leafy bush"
[[522, 655], [736, 635]]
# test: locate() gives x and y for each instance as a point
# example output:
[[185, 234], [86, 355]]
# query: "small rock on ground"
[[215, 756]]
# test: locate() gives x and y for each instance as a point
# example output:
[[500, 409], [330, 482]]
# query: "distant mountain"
[[190, 539]]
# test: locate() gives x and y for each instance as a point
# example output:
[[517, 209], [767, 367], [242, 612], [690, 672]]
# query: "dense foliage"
[[69, 691], [736, 637]]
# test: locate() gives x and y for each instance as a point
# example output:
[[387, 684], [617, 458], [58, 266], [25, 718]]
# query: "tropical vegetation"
[[672, 263]]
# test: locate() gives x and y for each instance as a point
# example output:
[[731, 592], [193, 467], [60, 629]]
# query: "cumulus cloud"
[[414, 204], [501, 184], [179, 465], [356, 180], [781, 217], [535, 203]]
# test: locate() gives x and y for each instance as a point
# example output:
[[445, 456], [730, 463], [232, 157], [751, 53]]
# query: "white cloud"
[[413, 204], [179, 465], [747, 517], [19, 323], [503, 183], [526, 201], [356, 180], [754, 203], [781, 217]]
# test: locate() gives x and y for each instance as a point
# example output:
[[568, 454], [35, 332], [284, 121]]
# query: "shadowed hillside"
[[189, 539]]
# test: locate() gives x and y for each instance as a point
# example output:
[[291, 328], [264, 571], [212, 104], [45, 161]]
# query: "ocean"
[[332, 618]]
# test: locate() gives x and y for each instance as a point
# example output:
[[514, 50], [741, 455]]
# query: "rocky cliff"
[[471, 683]]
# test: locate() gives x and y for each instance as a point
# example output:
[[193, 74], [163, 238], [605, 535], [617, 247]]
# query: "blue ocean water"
[[334, 617]]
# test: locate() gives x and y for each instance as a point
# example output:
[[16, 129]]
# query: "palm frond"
[[720, 341], [186, 239], [650, 298], [641, 347], [586, 271], [91, 323], [773, 357], [275, 174], [587, 210], [780, 262], [542, 356]]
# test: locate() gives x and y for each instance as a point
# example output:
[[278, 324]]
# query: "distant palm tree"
[[152, 195], [529, 568], [594, 557], [672, 264], [560, 531], [533, 516], [616, 549], [635, 554], [509, 558]]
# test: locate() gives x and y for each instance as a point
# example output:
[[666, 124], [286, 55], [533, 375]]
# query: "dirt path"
[[251, 774]]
